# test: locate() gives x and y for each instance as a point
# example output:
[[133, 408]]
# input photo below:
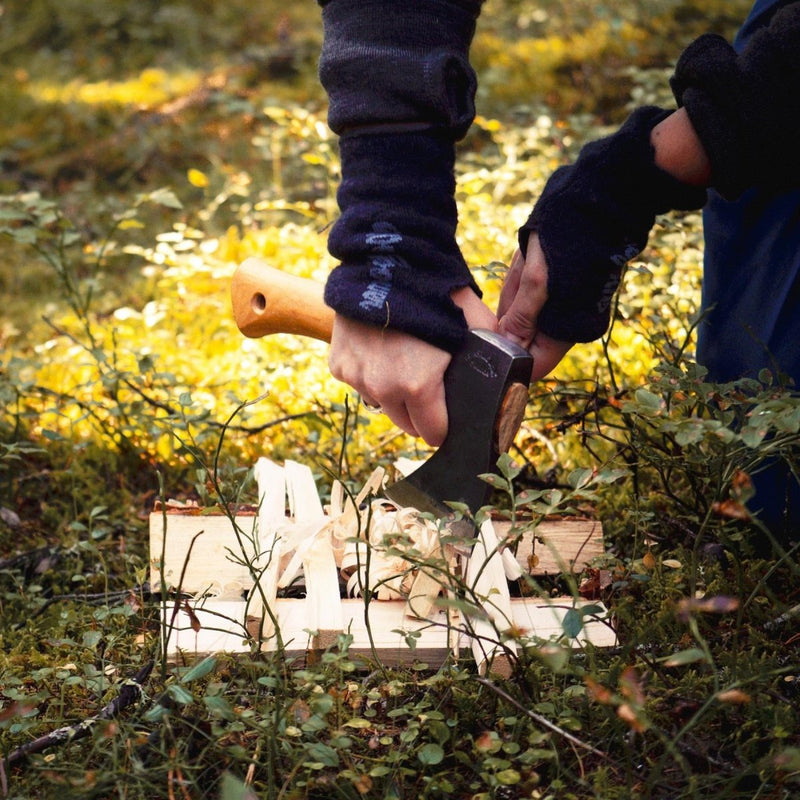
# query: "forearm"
[[745, 107]]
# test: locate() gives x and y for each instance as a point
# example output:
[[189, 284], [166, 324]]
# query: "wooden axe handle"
[[267, 300]]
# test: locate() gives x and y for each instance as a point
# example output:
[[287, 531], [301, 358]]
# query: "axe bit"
[[486, 388]]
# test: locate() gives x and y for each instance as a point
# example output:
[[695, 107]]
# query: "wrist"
[[679, 151]]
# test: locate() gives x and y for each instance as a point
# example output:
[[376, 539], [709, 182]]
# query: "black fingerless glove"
[[745, 107], [593, 217], [401, 94]]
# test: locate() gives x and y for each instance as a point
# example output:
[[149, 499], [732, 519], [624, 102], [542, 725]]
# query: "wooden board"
[[205, 550], [565, 545], [215, 567], [381, 625]]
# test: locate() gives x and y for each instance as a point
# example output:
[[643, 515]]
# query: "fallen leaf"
[[594, 584], [734, 696], [731, 509], [11, 518], [631, 686], [193, 619], [719, 604], [628, 715], [598, 692]]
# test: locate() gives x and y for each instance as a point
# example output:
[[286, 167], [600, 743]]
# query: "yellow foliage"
[[151, 87], [185, 330], [531, 68]]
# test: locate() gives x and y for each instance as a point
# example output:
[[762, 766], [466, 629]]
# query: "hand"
[[521, 298], [400, 373]]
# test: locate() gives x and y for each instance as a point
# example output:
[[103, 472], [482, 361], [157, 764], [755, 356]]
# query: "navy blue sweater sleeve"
[[401, 93]]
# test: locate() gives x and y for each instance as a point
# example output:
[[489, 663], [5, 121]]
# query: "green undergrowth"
[[146, 149]]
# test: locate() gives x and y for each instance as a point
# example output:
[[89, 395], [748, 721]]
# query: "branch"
[[130, 692]]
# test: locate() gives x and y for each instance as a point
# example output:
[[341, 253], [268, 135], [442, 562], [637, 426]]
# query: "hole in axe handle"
[[512, 412], [259, 302]]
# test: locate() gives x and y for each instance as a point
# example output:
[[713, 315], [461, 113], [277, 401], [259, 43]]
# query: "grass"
[[121, 371]]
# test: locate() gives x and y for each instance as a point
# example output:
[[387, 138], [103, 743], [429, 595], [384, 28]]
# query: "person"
[[401, 93]]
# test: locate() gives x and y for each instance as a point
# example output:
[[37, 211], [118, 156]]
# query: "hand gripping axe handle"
[[486, 387]]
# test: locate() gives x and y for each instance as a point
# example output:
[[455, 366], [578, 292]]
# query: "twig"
[[543, 721], [96, 599], [130, 691], [40, 559]]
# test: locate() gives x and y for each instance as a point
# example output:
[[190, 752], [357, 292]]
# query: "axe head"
[[479, 382]]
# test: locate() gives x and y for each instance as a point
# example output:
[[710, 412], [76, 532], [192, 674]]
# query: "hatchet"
[[486, 387]]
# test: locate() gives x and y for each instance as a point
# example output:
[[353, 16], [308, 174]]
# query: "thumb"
[[517, 325]]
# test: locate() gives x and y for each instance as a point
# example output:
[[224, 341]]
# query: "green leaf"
[[788, 760], [323, 754], [163, 197], [438, 730], [495, 481], [572, 624], [579, 478], [648, 402], [219, 706], [683, 657], [359, 723], [431, 754], [689, 432], [321, 704], [91, 639], [508, 777], [180, 695], [200, 670], [554, 656], [509, 468], [753, 437], [232, 788]]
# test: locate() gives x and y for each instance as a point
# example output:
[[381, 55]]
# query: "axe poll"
[[486, 387]]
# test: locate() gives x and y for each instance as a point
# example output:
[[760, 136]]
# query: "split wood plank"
[[564, 545], [223, 626], [215, 566], [205, 550]]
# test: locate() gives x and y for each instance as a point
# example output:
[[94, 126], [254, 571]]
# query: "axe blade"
[[476, 383]]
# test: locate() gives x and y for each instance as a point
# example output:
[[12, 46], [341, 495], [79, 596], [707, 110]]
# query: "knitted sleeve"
[[401, 93], [593, 217]]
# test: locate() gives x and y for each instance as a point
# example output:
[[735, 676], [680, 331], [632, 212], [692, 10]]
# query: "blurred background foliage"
[[147, 148]]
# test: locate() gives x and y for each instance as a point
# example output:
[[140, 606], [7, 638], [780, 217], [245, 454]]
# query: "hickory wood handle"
[[267, 300]]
